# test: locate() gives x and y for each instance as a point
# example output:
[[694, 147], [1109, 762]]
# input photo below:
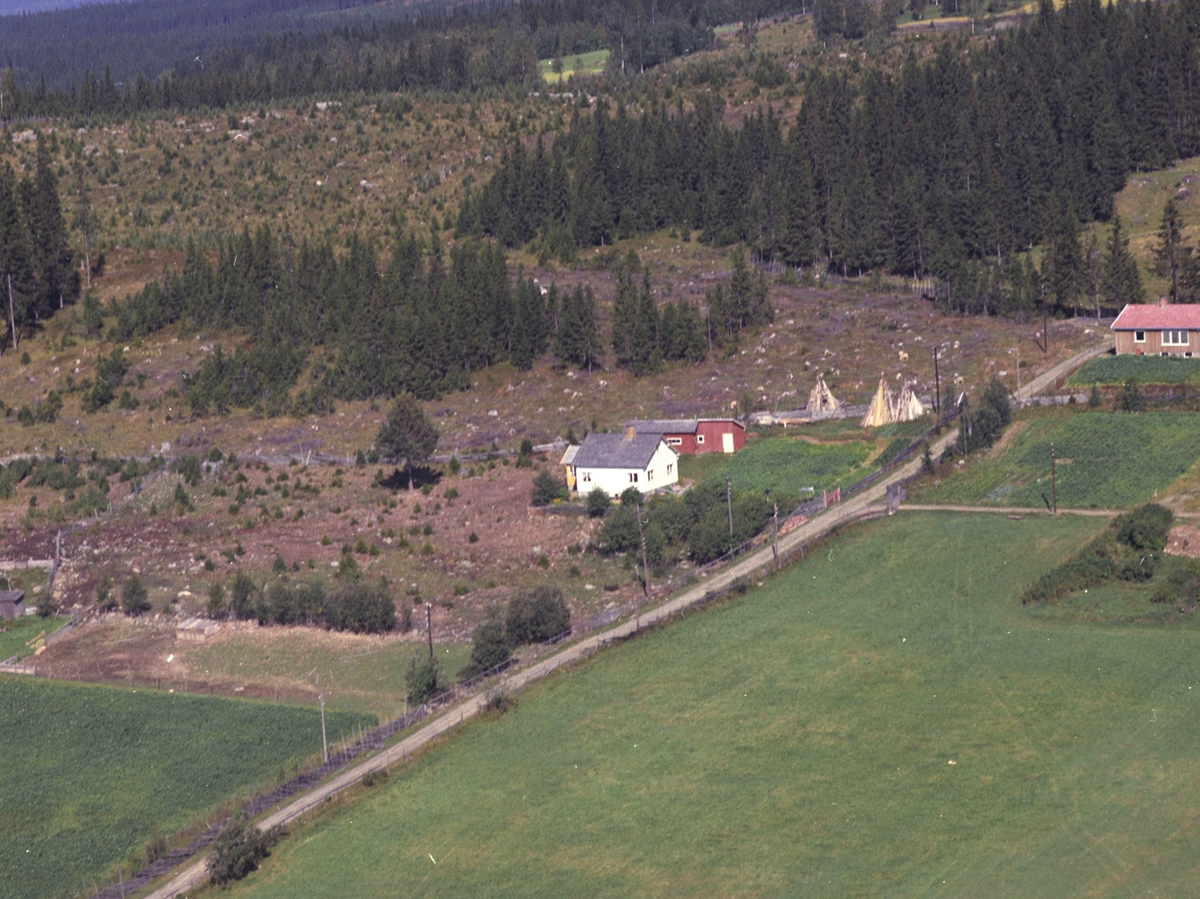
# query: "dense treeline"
[[420, 325], [122, 58], [950, 168], [36, 275]]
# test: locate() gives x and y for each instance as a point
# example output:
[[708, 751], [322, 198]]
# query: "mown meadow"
[[92, 773], [883, 719], [1104, 461]]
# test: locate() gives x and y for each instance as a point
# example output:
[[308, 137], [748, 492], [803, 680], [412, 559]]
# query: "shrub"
[[134, 596], [619, 533], [598, 502], [242, 596], [535, 616], [547, 489], [489, 648], [361, 609], [1146, 528], [422, 679], [1132, 398], [631, 496], [238, 850], [105, 598]]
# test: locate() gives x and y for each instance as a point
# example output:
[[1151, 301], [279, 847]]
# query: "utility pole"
[[324, 742], [429, 627], [642, 537], [729, 503], [1019, 400], [775, 536], [1045, 325], [937, 384], [1053, 479]]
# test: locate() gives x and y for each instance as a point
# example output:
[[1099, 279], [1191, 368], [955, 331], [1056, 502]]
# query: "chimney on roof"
[[630, 430]]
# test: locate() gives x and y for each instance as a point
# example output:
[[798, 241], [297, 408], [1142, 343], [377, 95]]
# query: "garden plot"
[[1103, 461]]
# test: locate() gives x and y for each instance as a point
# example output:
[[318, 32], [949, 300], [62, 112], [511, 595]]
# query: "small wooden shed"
[[12, 604]]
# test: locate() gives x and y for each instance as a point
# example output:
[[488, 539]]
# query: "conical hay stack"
[[908, 407], [821, 400], [879, 412]]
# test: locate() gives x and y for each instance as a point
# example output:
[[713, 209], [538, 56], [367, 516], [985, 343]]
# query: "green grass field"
[[885, 719], [787, 466], [22, 631], [1105, 461], [91, 772], [1110, 370], [582, 64]]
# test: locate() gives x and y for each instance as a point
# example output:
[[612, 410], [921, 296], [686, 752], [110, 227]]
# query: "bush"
[[598, 502], [360, 608], [242, 596], [238, 850], [134, 596], [1132, 398], [489, 648], [535, 616], [1145, 529], [105, 598], [422, 679], [619, 533], [547, 489]]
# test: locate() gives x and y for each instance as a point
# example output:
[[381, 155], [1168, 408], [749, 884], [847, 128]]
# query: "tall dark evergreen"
[[1120, 282], [577, 342], [1170, 254], [16, 276]]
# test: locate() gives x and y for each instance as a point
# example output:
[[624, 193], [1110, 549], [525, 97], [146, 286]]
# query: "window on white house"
[[633, 477], [649, 474], [1175, 338], [699, 438], [1139, 336], [587, 477], [670, 468]]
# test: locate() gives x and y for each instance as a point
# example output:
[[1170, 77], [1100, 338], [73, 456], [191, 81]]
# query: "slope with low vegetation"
[[897, 697]]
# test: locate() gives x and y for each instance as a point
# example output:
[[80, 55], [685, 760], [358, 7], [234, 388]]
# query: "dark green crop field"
[[1110, 370], [884, 719], [91, 772], [1104, 461]]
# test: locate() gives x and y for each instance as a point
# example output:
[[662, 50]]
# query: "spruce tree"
[[577, 342], [15, 274], [1169, 255], [1120, 282]]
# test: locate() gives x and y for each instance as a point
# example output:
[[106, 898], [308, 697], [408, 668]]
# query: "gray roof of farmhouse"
[[616, 451], [664, 425]]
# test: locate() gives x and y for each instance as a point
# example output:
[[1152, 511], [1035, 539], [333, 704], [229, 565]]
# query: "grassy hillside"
[[91, 773], [1104, 461], [882, 720]]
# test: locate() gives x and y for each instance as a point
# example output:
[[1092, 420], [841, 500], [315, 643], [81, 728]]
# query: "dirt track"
[[756, 563]]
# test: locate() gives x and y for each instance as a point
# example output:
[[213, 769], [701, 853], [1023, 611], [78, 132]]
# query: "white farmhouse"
[[616, 462]]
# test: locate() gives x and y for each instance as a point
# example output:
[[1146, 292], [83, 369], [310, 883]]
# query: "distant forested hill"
[[147, 37], [120, 57]]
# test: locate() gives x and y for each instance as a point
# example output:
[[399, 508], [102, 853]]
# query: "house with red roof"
[[1163, 329]]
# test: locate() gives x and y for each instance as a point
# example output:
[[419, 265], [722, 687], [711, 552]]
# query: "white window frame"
[[633, 477], [674, 441], [670, 467], [649, 474], [1175, 337], [699, 438], [586, 477], [1139, 336]]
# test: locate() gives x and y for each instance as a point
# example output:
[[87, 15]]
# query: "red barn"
[[689, 436]]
